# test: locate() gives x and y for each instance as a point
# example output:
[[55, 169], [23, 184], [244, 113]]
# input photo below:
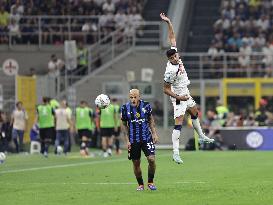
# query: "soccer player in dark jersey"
[[138, 122]]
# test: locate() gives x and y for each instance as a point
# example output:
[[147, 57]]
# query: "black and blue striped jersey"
[[137, 119]]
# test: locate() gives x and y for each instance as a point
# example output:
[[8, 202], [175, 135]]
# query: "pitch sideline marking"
[[190, 182], [106, 183], [62, 166], [69, 165]]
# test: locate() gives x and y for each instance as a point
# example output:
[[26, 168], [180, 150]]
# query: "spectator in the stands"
[[55, 65], [82, 56], [244, 58], [135, 19], [268, 59], [108, 6], [4, 21], [120, 19], [17, 10], [14, 31], [122, 5]]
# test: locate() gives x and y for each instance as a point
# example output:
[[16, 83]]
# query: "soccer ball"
[[102, 101], [2, 157], [59, 150]]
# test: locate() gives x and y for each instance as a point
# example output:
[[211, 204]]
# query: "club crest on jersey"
[[137, 115]]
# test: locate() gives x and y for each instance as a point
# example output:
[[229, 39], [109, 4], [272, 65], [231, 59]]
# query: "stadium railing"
[[204, 66], [114, 45], [54, 30]]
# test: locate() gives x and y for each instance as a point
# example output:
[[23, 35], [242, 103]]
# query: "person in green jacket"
[[222, 112], [45, 120], [85, 126], [108, 125], [118, 129], [54, 103], [82, 56]]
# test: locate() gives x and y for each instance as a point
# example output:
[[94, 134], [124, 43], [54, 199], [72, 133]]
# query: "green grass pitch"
[[239, 177]]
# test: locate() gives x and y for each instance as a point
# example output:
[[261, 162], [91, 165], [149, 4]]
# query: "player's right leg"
[[104, 146], [179, 112], [134, 154], [84, 142], [175, 139], [14, 137], [117, 140], [66, 141]]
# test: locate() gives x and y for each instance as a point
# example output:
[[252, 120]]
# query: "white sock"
[[197, 127], [175, 140], [109, 151]]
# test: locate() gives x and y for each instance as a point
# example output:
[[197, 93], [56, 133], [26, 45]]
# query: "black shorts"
[[47, 133], [106, 132], [84, 132], [147, 147], [117, 133]]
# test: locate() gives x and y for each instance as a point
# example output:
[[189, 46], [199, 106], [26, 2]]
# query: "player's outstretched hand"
[[164, 17], [183, 97]]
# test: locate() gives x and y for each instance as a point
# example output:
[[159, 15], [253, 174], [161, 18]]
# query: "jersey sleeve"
[[169, 76], [123, 113], [148, 109]]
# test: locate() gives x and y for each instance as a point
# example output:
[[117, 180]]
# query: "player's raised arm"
[[170, 29]]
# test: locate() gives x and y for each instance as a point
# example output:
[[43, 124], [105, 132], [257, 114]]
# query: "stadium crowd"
[[19, 19], [245, 26]]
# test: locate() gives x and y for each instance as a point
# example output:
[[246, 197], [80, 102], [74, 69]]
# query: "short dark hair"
[[170, 52], [45, 99], [83, 102], [19, 102]]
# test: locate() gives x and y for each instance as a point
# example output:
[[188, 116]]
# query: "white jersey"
[[177, 76], [20, 117], [62, 116]]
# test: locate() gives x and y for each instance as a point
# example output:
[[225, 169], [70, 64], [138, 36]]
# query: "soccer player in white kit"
[[176, 86]]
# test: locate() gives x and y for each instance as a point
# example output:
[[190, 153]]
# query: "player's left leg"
[[149, 151], [21, 140], [151, 172], [196, 125], [110, 140]]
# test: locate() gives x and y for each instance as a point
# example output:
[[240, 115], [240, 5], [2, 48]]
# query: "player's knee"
[[151, 159], [194, 117], [136, 163], [178, 127]]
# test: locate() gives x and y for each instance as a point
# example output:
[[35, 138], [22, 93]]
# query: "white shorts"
[[181, 108]]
